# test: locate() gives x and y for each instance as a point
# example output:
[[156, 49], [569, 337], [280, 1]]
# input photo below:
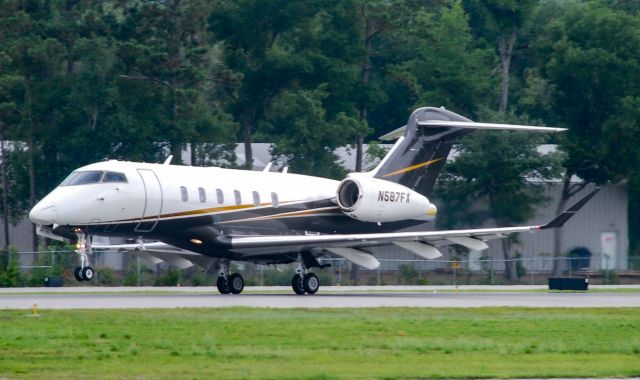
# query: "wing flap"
[[469, 242], [171, 258], [146, 256], [425, 251], [357, 257]]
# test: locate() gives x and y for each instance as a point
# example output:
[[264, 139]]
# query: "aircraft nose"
[[43, 214]]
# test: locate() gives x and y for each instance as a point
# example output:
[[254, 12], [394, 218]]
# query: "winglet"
[[561, 219]]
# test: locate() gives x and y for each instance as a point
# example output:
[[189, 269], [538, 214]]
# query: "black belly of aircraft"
[[209, 234]]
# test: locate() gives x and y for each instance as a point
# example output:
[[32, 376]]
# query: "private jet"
[[211, 216]]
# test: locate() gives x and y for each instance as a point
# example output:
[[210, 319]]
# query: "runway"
[[207, 298]]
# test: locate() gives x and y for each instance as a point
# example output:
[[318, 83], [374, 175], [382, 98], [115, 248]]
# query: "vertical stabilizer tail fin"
[[420, 153], [423, 145]]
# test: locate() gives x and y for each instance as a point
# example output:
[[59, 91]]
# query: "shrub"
[[169, 278]]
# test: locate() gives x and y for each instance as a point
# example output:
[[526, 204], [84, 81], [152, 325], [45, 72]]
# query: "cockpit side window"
[[114, 177], [82, 178]]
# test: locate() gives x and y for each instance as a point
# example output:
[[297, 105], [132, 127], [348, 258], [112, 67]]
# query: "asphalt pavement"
[[278, 297]]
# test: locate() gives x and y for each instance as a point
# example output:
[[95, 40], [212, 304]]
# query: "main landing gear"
[[229, 283], [304, 281], [307, 283], [83, 248]]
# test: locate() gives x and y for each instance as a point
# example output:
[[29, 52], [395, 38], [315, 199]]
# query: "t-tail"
[[423, 146]]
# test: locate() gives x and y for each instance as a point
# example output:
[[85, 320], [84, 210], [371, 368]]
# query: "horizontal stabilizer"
[[495, 126], [393, 135], [355, 256], [397, 133], [561, 219]]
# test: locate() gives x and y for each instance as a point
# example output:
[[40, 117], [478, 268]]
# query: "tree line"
[[83, 81]]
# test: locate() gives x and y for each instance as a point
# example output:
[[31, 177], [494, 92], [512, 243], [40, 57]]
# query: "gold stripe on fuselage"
[[413, 167], [291, 214], [212, 210]]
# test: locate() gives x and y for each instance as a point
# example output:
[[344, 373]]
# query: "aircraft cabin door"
[[153, 201]]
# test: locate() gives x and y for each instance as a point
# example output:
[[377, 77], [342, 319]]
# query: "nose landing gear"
[[83, 248]]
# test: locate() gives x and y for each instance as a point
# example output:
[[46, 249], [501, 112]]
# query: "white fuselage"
[[171, 191]]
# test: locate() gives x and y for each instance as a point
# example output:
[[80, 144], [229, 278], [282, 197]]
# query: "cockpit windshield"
[[114, 177], [89, 177]]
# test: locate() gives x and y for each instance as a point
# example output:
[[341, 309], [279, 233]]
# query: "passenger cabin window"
[[114, 177], [202, 194], [220, 196], [184, 193], [238, 197], [274, 200], [256, 199]]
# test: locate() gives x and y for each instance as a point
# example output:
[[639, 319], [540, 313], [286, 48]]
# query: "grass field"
[[321, 344]]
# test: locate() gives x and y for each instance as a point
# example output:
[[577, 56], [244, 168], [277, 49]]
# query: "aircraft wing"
[[157, 252], [357, 248], [354, 247]]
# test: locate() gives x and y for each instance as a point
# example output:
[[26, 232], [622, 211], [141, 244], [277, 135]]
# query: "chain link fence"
[[532, 271], [32, 268]]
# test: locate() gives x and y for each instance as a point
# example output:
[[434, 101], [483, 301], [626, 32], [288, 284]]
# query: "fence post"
[[491, 264], [570, 262], [137, 270], [532, 280]]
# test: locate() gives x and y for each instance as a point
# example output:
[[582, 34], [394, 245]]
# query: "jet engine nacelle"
[[375, 200]]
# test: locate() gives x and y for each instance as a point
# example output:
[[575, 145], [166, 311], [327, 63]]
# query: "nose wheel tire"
[[223, 285], [310, 283], [236, 283], [84, 274], [78, 274], [87, 273], [296, 284]]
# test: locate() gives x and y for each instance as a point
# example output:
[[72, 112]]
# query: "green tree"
[[501, 21], [36, 61], [589, 58], [168, 46], [260, 61], [503, 170], [304, 138], [446, 68]]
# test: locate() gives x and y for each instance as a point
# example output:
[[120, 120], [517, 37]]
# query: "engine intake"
[[349, 194]]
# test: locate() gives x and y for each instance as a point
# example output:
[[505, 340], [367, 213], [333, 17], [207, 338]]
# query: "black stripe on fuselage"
[[321, 216]]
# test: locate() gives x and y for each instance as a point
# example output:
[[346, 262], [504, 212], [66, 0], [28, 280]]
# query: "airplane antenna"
[[168, 160], [267, 168], [285, 169]]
